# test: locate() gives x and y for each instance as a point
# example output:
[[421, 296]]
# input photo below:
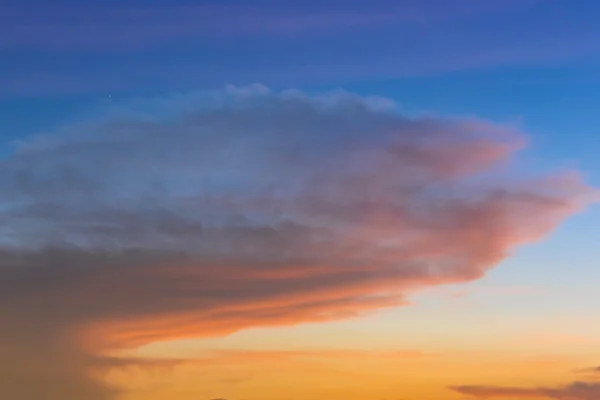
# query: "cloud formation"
[[239, 208], [106, 28], [592, 372], [573, 391], [63, 48]]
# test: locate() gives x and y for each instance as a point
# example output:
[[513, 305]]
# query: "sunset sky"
[[291, 200]]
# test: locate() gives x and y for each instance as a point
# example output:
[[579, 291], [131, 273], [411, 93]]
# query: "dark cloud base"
[[221, 211]]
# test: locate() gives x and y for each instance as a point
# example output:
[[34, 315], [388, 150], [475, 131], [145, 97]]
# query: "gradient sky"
[[267, 200]]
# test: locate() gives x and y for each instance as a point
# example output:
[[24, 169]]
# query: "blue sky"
[[531, 60], [535, 63], [530, 64]]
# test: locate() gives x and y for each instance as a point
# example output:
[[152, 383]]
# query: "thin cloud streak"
[[573, 391], [591, 371], [108, 29], [158, 48]]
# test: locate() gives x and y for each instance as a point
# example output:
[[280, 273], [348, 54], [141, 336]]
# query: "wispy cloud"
[[104, 27], [244, 208], [106, 48], [573, 391], [577, 390], [285, 355], [593, 372], [101, 28], [106, 363]]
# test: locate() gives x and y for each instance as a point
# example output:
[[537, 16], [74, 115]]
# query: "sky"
[[282, 200]]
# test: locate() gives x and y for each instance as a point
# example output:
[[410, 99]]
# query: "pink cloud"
[[246, 208]]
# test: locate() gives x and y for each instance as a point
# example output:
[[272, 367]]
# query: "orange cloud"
[[261, 209]]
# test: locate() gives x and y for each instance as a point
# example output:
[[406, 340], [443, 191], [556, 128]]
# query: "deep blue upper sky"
[[535, 61]]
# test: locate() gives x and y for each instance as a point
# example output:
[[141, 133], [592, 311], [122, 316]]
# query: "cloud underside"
[[573, 391], [242, 208]]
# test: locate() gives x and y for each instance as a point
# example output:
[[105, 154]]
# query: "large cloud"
[[245, 208]]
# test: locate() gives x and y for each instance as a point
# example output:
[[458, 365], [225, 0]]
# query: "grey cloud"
[[573, 391], [590, 371], [243, 208]]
